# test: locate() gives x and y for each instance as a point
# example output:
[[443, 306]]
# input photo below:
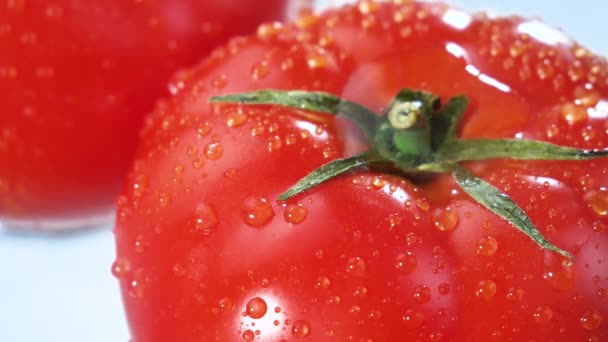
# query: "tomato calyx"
[[418, 135]]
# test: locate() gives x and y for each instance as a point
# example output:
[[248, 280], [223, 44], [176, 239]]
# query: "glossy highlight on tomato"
[[76, 80], [205, 251]]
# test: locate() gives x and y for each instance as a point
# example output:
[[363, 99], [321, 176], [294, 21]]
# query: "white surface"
[[59, 288]]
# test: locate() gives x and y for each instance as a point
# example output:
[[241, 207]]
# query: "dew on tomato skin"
[[269, 30], [295, 213], [602, 293], [256, 211], [487, 246], [203, 130], [598, 200], [219, 82], [260, 70], [205, 219], [406, 263], [360, 292], [265, 282], [558, 273], [248, 335], [412, 319], [445, 219], [274, 143], [421, 294], [355, 266], [444, 289], [317, 59], [423, 204], [164, 199], [256, 308], [486, 290], [178, 270], [354, 310], [213, 151], [591, 319], [137, 284], [334, 300], [300, 329], [322, 283], [225, 305], [236, 119], [139, 243], [573, 114], [121, 268], [277, 309], [515, 294], [586, 96], [542, 314]]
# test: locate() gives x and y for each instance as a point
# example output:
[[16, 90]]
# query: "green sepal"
[[329, 171], [444, 123], [320, 102], [483, 149], [502, 205]]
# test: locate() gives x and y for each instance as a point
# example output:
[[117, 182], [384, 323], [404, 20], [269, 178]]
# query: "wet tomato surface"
[[77, 79], [207, 253]]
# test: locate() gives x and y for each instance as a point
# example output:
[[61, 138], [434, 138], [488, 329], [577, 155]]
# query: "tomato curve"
[[205, 252], [76, 80]]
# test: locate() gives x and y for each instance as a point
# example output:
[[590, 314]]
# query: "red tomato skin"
[[76, 81], [201, 238]]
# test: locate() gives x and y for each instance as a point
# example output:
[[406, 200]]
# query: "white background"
[[59, 288]]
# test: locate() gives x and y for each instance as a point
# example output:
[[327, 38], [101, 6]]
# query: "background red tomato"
[[205, 252], [76, 79]]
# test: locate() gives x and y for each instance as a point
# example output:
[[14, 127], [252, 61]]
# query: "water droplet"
[[444, 288], [274, 143], [322, 283], [360, 291], [205, 219], [486, 289], [164, 199], [542, 314], [487, 246], [422, 294], [445, 220], [598, 200], [423, 204], [179, 270], [256, 211], [573, 114], [203, 130], [355, 266], [219, 82], [515, 294], [236, 119], [591, 319], [213, 151], [225, 304], [334, 300], [138, 283], [406, 263], [367, 6], [269, 30], [300, 329], [558, 272], [259, 70], [317, 59], [120, 268], [295, 214], [256, 308], [586, 97], [412, 319], [277, 309], [248, 335], [265, 282]]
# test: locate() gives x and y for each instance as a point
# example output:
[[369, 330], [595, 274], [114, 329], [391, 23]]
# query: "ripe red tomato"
[[207, 253], [76, 80]]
